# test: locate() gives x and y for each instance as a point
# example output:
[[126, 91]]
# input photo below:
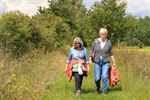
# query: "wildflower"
[[13, 77]]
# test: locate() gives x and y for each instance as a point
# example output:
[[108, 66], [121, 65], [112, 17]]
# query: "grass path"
[[130, 87], [41, 77]]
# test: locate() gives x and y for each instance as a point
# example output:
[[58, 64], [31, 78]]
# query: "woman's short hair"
[[103, 30], [77, 39]]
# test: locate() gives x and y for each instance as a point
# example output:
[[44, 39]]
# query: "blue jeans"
[[101, 70]]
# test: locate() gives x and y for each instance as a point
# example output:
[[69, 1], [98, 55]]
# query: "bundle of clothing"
[[114, 76], [82, 68]]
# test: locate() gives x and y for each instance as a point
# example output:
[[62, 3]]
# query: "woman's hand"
[[88, 67], [114, 64], [90, 61], [113, 60]]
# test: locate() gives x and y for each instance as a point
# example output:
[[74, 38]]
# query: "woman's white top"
[[102, 43]]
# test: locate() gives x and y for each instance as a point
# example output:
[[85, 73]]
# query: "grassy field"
[[38, 76]]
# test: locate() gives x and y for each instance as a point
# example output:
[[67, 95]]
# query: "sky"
[[134, 7]]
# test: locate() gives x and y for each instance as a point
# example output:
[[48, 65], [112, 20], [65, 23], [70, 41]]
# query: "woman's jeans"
[[78, 80], [101, 70]]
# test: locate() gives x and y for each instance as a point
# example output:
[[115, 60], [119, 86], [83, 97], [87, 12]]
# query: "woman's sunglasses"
[[77, 43]]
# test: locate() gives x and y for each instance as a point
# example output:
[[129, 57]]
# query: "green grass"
[[131, 86], [136, 49], [37, 76]]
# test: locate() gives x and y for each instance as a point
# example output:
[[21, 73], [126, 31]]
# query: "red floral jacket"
[[70, 66], [114, 76]]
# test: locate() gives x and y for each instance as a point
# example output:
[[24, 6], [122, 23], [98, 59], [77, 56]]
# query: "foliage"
[[109, 14], [28, 77], [55, 27], [52, 30], [15, 32], [72, 13], [137, 31], [145, 30]]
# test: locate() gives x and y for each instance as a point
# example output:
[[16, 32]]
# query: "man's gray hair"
[[103, 30], [77, 39]]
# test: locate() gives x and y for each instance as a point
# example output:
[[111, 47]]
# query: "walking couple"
[[78, 62]]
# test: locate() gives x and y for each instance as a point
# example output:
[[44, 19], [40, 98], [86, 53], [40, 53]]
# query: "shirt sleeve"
[[69, 56], [92, 49], [110, 50], [86, 56]]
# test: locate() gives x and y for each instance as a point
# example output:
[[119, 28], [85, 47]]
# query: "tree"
[[52, 30], [109, 14], [137, 33], [71, 11], [144, 25]]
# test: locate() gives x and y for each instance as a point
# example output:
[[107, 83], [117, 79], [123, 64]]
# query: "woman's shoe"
[[98, 90], [105, 92], [78, 92]]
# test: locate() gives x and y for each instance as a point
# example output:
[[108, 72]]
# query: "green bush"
[[15, 32]]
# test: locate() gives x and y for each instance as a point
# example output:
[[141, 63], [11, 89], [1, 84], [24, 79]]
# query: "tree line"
[[56, 26]]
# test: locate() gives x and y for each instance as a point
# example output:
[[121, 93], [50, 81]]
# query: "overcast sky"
[[135, 7]]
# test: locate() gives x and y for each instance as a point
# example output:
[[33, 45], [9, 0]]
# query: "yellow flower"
[[13, 77]]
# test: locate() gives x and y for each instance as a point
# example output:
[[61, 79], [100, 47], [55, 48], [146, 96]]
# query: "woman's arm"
[[69, 58], [66, 67], [86, 56], [112, 55], [70, 55], [91, 51], [113, 60], [88, 67], [87, 59]]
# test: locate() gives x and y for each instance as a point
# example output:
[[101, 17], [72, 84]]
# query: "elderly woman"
[[101, 52], [77, 63]]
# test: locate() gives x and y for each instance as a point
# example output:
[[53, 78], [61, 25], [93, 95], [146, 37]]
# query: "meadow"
[[39, 76]]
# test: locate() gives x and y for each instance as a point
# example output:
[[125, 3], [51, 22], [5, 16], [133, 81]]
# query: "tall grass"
[[38, 76], [133, 85], [28, 77]]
